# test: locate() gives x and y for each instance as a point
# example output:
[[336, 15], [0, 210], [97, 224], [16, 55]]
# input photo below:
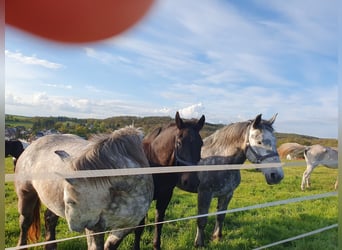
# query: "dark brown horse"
[[176, 144]]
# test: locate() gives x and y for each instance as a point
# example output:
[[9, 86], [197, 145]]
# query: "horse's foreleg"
[[203, 204], [51, 220], [161, 205], [115, 238], [137, 234], [94, 242], [222, 205]]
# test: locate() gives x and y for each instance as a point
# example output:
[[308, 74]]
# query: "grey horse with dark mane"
[[90, 204], [233, 144]]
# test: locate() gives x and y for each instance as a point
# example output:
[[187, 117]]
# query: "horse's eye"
[[71, 202], [259, 142]]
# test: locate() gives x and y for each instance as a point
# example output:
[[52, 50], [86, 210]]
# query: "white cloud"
[[105, 57], [32, 60], [306, 25], [193, 111], [59, 86]]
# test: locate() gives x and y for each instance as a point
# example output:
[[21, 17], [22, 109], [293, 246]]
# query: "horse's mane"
[[231, 133], [148, 140], [110, 151], [230, 136]]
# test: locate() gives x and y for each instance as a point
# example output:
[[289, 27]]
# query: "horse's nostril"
[[273, 176]]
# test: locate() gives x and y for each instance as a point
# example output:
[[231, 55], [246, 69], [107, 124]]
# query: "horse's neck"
[[218, 160], [232, 152], [157, 158]]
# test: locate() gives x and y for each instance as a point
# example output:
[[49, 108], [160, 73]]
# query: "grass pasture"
[[242, 230]]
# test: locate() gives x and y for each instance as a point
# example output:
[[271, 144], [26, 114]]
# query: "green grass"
[[242, 230]]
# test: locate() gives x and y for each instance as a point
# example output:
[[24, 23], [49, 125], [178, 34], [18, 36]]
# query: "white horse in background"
[[318, 155]]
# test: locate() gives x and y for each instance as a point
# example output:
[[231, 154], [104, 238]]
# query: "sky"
[[229, 60]]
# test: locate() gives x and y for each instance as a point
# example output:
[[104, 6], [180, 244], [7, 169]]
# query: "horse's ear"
[[271, 121], [256, 121], [71, 181], [200, 123], [62, 154], [179, 121]]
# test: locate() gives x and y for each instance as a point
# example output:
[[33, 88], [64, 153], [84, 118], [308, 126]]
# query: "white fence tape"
[[257, 206], [298, 237], [145, 170]]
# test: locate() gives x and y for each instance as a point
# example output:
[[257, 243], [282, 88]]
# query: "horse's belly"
[[219, 182]]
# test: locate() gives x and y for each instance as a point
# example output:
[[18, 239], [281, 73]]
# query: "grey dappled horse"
[[90, 204], [318, 155], [233, 144]]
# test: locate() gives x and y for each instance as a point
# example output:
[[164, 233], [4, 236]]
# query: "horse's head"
[[81, 195], [82, 209], [188, 141], [261, 148]]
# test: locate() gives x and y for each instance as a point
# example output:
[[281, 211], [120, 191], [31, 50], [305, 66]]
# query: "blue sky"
[[229, 60]]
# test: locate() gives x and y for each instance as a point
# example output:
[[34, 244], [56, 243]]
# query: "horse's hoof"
[[52, 246], [199, 244], [216, 237]]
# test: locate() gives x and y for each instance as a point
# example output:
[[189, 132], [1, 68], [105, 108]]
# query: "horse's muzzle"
[[273, 178]]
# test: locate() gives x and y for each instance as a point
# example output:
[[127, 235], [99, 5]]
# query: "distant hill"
[[304, 139], [85, 127]]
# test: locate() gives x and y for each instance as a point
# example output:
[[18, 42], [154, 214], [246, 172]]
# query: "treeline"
[[86, 127]]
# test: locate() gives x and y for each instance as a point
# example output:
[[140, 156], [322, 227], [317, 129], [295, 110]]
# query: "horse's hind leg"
[[222, 205], [28, 203], [51, 220]]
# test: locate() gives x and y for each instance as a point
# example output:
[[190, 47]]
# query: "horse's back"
[[42, 152], [318, 154], [40, 157]]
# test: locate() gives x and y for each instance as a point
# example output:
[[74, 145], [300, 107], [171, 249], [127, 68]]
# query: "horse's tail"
[[299, 150], [34, 229], [307, 148], [306, 151]]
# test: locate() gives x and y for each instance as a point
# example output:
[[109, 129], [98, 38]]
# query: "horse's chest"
[[51, 192]]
